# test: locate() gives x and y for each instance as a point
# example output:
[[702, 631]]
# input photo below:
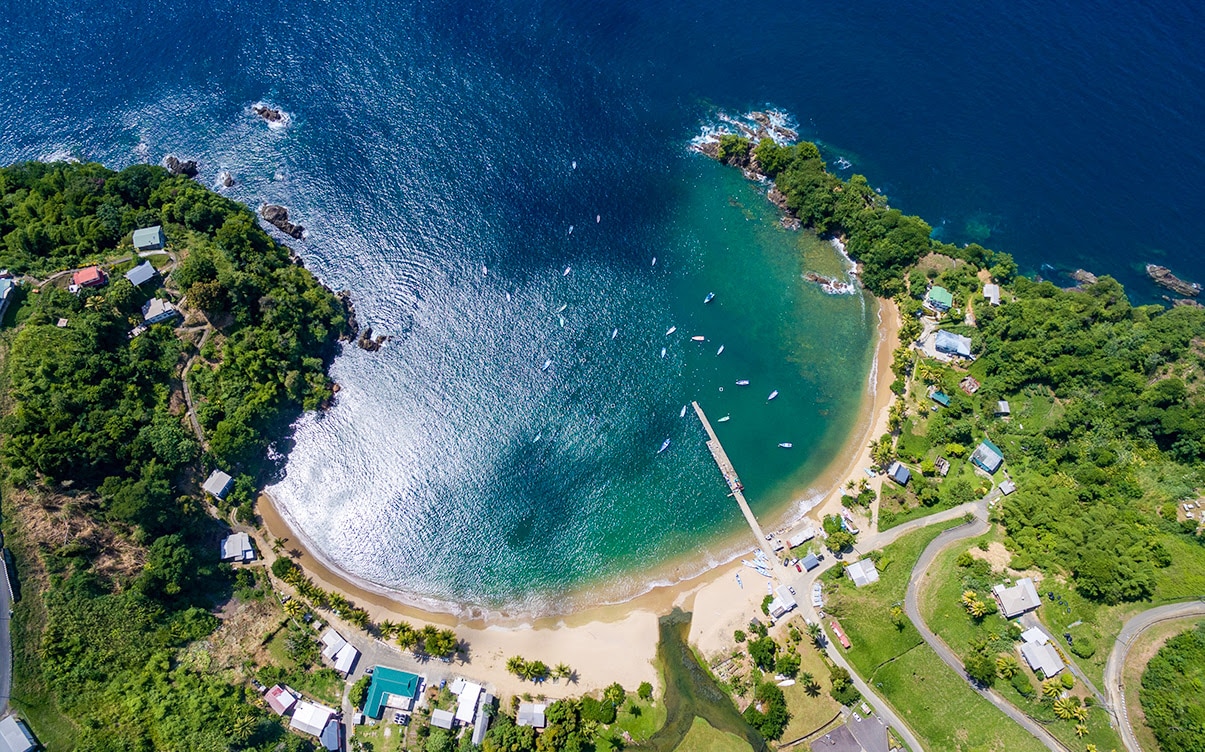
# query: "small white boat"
[[654, 260], [570, 229], [573, 165], [508, 297], [720, 351], [614, 333], [773, 394], [697, 338], [484, 271], [547, 363], [663, 352], [683, 413], [724, 419], [597, 218], [738, 582], [742, 382], [562, 318], [562, 308], [537, 438], [710, 297], [786, 445], [566, 272], [664, 446], [671, 330]]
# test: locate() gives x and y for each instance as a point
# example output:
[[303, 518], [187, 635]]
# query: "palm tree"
[[810, 685], [562, 671], [1052, 688], [388, 629], [1090, 748], [1081, 730], [517, 666], [1007, 666], [1064, 707], [978, 609], [294, 608], [1081, 714], [242, 727], [815, 633], [407, 638]]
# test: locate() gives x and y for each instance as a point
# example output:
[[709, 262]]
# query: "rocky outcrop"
[[225, 179], [830, 286], [1187, 302], [175, 166], [368, 342], [352, 329], [268, 113], [1083, 277], [1163, 276], [278, 217]]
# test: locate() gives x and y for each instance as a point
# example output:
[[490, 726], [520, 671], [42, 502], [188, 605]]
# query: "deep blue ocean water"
[[429, 139]]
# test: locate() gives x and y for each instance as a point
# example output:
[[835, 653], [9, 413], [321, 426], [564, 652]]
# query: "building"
[[6, 293], [339, 651], [531, 714], [898, 473], [1039, 653], [141, 274], [1007, 487], [280, 700], [15, 736], [950, 343], [862, 572], [89, 276], [810, 562], [468, 694], [940, 398], [803, 536], [390, 688], [1002, 409], [311, 718], [992, 293], [332, 735], [444, 719], [841, 638], [218, 484], [783, 603], [1017, 599], [942, 465], [157, 310], [969, 385], [149, 239], [987, 457], [237, 547], [939, 299], [482, 722]]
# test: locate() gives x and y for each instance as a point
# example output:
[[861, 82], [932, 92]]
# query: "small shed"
[[862, 572], [6, 290], [940, 398], [15, 736], [1002, 408], [280, 700], [952, 344], [89, 276], [149, 238], [218, 484], [1007, 487], [939, 298], [810, 562], [530, 714], [482, 724], [157, 310], [237, 547], [899, 473], [987, 457], [141, 274], [992, 293], [443, 719]]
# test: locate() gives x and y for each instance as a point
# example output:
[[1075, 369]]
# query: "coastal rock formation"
[[268, 113], [368, 342], [352, 328], [225, 179], [830, 286], [278, 217], [1187, 302], [1083, 277], [188, 168], [1163, 276]]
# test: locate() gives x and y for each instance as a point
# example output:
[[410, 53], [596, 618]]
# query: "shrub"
[[1083, 647], [597, 711], [1022, 684], [645, 691], [739, 635]]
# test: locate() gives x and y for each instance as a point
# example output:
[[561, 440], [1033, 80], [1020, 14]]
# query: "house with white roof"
[[339, 651], [237, 547], [468, 693], [1017, 599], [15, 736], [1040, 654], [531, 714], [862, 572], [310, 718]]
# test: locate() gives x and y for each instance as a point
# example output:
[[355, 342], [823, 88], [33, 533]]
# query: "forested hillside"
[[95, 441]]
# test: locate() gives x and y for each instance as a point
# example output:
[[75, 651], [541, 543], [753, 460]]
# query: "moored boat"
[[773, 394], [710, 297], [664, 446], [742, 382]]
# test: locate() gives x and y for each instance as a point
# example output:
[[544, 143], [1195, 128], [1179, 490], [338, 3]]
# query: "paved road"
[[1121, 647], [978, 527]]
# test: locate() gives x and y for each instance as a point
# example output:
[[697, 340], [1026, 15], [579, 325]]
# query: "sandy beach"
[[615, 642]]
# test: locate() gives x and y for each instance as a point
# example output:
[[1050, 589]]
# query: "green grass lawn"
[[640, 725], [703, 737], [808, 713], [320, 683], [384, 737]]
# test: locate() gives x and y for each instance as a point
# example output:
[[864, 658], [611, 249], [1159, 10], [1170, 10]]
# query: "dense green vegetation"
[[91, 427], [1173, 692]]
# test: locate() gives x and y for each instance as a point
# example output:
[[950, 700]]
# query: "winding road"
[[1121, 647], [977, 527]]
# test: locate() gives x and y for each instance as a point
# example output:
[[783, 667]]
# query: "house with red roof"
[[89, 276]]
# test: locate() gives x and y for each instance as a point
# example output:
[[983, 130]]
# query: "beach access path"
[[1115, 667]]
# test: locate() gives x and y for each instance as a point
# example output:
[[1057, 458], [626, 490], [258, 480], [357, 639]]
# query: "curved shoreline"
[[657, 595]]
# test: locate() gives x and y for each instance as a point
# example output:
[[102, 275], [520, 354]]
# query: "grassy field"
[[942, 610], [703, 738], [1141, 651], [808, 713], [384, 737], [641, 724], [320, 683], [933, 700]]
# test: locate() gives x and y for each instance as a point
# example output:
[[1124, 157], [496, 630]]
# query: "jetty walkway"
[[734, 482]]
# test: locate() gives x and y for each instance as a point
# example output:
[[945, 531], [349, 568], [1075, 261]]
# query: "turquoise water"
[[454, 468]]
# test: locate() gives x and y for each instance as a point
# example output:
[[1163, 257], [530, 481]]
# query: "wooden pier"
[[734, 482]]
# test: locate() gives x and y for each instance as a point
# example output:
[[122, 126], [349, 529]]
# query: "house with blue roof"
[[987, 457], [390, 688], [898, 473]]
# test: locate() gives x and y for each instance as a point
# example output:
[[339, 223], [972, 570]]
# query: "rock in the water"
[[278, 217], [268, 113], [188, 168], [1187, 302], [1083, 277], [1163, 276], [225, 179], [368, 342]]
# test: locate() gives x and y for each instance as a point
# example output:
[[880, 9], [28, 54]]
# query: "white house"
[[156, 310], [862, 572], [218, 484], [1017, 599], [310, 718], [141, 274], [237, 547]]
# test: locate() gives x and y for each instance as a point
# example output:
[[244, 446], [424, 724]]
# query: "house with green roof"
[[939, 299], [390, 688], [987, 457]]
